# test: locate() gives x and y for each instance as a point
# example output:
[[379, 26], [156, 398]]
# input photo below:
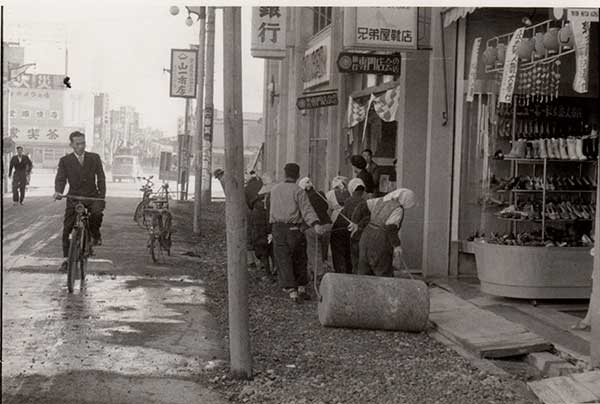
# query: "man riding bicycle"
[[83, 170]]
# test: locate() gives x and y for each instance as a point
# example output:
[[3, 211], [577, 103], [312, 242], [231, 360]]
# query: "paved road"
[[136, 332]]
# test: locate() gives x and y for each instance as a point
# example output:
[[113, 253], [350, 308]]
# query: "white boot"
[[579, 149], [571, 149]]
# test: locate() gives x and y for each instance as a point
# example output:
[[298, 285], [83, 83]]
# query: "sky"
[[121, 48]]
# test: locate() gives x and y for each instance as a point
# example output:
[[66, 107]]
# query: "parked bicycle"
[[158, 222], [80, 247], [159, 199]]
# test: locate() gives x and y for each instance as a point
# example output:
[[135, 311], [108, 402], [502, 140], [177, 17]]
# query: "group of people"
[[292, 226]]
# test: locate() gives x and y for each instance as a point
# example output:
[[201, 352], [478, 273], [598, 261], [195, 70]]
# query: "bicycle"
[[161, 199], [159, 232], [80, 247]]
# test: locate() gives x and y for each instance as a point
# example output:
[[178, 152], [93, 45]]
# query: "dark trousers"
[[289, 248], [354, 248], [95, 208], [18, 186], [340, 250], [376, 254]]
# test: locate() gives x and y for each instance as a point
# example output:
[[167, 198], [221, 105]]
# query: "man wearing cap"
[[290, 212], [22, 166]]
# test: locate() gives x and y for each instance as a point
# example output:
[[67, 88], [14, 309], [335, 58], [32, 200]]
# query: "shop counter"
[[534, 272]]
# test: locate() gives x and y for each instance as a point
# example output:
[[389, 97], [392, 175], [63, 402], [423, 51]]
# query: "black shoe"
[[64, 266], [21, 203]]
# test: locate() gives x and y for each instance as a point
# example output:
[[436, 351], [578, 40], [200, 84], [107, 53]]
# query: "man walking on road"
[[83, 170], [290, 210], [22, 166]]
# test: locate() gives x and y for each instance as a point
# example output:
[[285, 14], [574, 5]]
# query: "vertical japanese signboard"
[[581, 20], [473, 69], [511, 67], [269, 32], [184, 73], [380, 27]]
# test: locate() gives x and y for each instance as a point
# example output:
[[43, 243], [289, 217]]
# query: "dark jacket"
[[357, 210], [87, 181], [251, 190], [261, 228], [320, 205], [368, 180], [21, 169]]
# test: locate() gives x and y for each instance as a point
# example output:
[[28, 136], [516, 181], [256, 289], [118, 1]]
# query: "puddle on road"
[[47, 331]]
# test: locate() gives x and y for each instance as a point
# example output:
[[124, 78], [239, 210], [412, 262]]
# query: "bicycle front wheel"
[[74, 249]]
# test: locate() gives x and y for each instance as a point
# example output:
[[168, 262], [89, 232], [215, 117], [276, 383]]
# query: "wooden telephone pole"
[[208, 108], [235, 205], [201, 11]]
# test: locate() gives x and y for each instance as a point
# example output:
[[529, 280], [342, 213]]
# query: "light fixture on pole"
[[271, 89]]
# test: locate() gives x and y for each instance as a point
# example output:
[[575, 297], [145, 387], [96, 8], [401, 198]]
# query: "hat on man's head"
[[358, 161], [292, 170]]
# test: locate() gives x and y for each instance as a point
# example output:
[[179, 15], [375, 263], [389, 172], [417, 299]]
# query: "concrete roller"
[[357, 301]]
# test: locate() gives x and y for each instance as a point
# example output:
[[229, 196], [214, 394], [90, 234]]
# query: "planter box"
[[534, 272]]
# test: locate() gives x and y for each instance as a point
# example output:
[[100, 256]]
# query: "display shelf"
[[528, 191], [547, 220], [541, 161]]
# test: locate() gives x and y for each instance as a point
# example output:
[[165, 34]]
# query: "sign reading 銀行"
[[268, 32], [380, 27], [349, 62], [319, 100], [183, 73]]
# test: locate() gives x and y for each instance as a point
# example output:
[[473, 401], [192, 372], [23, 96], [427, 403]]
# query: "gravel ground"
[[298, 361]]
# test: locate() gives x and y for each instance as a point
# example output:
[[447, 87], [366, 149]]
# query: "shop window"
[[321, 18]]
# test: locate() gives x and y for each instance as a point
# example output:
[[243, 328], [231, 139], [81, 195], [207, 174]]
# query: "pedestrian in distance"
[[22, 166], [373, 169], [290, 214], [85, 175], [340, 237], [317, 246], [380, 243], [357, 210], [359, 168]]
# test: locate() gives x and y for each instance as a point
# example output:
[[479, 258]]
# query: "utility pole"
[[201, 11], [209, 108], [235, 205]]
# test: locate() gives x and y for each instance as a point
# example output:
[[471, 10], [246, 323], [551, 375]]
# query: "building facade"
[[477, 93]]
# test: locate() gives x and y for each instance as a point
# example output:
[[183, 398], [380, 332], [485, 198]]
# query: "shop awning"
[[452, 14]]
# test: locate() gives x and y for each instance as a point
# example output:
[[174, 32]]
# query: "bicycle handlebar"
[[81, 198]]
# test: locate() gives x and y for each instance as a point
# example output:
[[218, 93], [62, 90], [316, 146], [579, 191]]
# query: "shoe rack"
[[538, 152]]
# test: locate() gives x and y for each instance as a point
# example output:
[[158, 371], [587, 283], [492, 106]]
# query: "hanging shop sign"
[[208, 124], [35, 134], [349, 62], [38, 81], [316, 63], [511, 67], [380, 27], [586, 14], [320, 100], [269, 32], [473, 69], [184, 73]]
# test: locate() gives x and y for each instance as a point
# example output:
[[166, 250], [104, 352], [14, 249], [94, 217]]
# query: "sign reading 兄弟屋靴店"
[[184, 73], [380, 27], [349, 62], [269, 32], [319, 100]]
